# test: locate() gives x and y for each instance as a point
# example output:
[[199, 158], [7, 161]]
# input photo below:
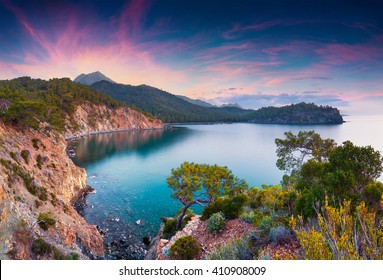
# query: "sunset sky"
[[255, 53]]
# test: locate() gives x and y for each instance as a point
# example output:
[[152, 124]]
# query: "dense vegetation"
[[26, 102], [297, 114], [173, 109], [329, 205], [168, 107]]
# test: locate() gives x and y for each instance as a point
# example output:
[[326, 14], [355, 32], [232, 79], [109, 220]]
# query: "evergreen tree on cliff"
[[201, 183]]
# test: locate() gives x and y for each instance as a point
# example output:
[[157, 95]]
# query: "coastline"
[[74, 137]]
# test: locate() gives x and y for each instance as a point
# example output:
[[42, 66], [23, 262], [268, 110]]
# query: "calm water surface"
[[129, 169]]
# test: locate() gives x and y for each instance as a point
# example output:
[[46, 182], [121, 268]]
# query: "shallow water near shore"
[[128, 170]]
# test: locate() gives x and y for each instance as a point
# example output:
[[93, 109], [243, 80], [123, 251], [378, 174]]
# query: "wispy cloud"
[[255, 101], [239, 29], [77, 48], [310, 78]]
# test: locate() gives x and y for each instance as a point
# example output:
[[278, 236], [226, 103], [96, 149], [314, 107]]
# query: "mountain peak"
[[91, 78]]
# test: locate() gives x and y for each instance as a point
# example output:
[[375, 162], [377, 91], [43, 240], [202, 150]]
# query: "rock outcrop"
[[39, 183], [91, 118]]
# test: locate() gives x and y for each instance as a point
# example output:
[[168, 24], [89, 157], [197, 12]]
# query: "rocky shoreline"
[[125, 247]]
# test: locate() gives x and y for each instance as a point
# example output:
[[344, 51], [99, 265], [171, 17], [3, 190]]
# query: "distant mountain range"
[[172, 108]]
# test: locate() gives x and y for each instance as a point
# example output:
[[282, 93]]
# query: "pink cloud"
[[339, 54], [75, 48], [131, 18]]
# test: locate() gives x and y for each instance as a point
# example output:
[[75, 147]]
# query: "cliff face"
[[92, 118], [38, 183]]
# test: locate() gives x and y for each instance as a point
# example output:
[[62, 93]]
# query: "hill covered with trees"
[[173, 109], [166, 106], [25, 102]]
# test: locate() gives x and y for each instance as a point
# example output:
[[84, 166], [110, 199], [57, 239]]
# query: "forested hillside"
[[172, 109], [166, 106], [25, 102]]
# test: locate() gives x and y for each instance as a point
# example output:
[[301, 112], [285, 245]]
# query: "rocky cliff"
[[39, 182], [91, 118]]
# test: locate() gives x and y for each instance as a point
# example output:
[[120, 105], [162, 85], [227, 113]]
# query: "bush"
[[37, 203], [210, 209], [280, 235], [40, 247], [185, 248], [231, 208], [248, 215], [373, 194], [265, 223], [216, 222], [239, 249], [169, 229], [25, 155], [340, 235], [39, 161], [45, 221], [36, 143], [42, 193], [13, 156]]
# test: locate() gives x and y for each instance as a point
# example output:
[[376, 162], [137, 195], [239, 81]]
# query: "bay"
[[129, 169]]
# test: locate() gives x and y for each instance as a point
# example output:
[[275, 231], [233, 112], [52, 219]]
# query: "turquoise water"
[[129, 169]]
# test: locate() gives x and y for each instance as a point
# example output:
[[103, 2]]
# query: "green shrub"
[[36, 143], [42, 193], [73, 256], [210, 209], [216, 222], [39, 161], [247, 217], [22, 173], [280, 235], [13, 156], [231, 207], [37, 203], [239, 249], [265, 224], [25, 155], [185, 248], [170, 228], [40, 247], [373, 194], [54, 199], [45, 221]]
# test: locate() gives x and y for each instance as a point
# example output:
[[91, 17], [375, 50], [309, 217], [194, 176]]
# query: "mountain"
[[38, 181], [175, 109], [198, 102], [166, 106], [91, 78]]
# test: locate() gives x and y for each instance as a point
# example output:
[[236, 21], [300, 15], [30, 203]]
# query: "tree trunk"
[[181, 216]]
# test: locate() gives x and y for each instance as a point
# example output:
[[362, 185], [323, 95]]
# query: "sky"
[[255, 53]]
